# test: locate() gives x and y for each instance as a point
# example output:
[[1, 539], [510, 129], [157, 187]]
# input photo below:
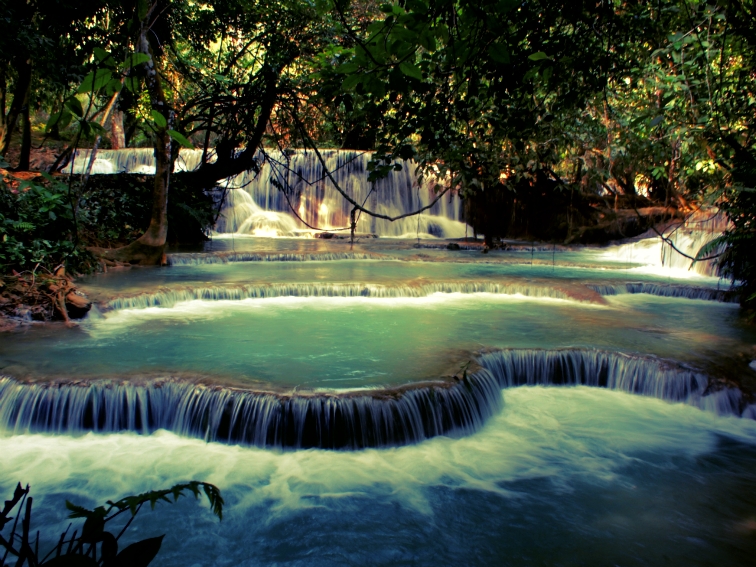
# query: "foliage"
[[739, 261], [115, 209], [38, 226], [579, 109], [82, 550]]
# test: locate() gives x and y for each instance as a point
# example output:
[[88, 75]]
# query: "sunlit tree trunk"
[[117, 134], [149, 248]]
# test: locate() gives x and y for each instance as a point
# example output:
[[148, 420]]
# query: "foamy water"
[[563, 446]]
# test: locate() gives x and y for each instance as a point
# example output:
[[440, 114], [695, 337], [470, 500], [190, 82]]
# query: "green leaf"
[[346, 68], [428, 41], [499, 53], [132, 84], [656, 121], [73, 104], [78, 511], [158, 119], [100, 54], [539, 56], [103, 57], [135, 59], [411, 70], [61, 119], [351, 82], [114, 86], [95, 81], [180, 138], [141, 553]]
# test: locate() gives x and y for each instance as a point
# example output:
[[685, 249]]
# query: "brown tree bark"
[[148, 249], [20, 98], [25, 157], [117, 134], [226, 166]]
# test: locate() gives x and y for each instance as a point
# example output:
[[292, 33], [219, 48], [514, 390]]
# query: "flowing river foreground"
[[398, 403]]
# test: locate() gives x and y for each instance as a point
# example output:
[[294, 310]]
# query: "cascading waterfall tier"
[[665, 290], [200, 258], [254, 205], [170, 297], [646, 376], [683, 241], [592, 293], [349, 420], [352, 420]]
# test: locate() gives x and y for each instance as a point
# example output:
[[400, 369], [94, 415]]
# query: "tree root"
[[136, 254], [32, 296]]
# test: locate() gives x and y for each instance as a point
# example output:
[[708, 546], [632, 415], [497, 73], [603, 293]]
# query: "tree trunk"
[[20, 96], [225, 165], [117, 134], [25, 157], [3, 88], [148, 249]]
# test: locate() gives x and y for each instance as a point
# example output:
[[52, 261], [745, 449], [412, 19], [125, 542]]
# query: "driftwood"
[[39, 295]]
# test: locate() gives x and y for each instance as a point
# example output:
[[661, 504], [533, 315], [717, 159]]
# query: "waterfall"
[[255, 206], [170, 297], [665, 290], [347, 420], [642, 375], [593, 292], [330, 421], [697, 231], [131, 160], [199, 258]]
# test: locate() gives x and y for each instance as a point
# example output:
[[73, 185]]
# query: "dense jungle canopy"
[[563, 121]]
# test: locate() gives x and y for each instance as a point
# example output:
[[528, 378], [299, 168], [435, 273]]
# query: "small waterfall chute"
[[689, 238], [642, 375], [242, 216]]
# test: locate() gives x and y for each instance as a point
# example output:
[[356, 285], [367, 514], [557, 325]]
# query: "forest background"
[[561, 121]]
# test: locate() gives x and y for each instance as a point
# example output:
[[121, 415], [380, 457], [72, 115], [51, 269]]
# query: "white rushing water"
[[551, 453], [254, 206], [673, 258]]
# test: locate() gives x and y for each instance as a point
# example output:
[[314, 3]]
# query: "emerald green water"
[[561, 476], [361, 342], [380, 272]]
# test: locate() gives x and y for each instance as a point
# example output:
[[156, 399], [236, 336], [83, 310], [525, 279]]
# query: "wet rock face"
[[77, 305]]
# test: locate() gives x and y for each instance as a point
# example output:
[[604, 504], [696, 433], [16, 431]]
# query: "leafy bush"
[[38, 226], [50, 221], [739, 259]]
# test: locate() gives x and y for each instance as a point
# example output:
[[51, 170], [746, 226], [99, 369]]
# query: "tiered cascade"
[[255, 204], [351, 420]]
